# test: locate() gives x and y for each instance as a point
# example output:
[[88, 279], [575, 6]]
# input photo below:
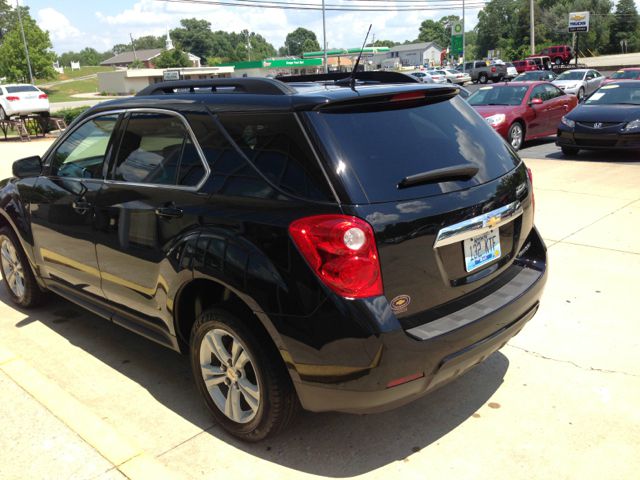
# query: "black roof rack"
[[373, 77], [260, 86]]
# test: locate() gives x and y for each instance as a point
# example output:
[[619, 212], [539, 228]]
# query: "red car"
[[624, 74], [521, 111], [525, 65]]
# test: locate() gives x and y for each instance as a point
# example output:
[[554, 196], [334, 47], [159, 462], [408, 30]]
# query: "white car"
[[511, 71], [454, 76], [437, 76], [422, 76], [22, 99], [579, 82]]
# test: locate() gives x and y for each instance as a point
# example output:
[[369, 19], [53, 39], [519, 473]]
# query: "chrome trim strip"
[[478, 225], [489, 304]]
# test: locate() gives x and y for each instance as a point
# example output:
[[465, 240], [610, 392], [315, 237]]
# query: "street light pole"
[[324, 38], [24, 41], [463, 39], [533, 28]]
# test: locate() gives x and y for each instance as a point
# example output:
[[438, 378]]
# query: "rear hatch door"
[[438, 240]]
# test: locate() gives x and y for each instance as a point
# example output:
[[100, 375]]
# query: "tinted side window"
[[275, 144], [551, 92], [82, 153], [156, 148]]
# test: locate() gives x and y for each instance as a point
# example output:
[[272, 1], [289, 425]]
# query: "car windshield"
[[502, 95], [571, 76], [629, 74], [21, 88], [453, 72], [616, 94]]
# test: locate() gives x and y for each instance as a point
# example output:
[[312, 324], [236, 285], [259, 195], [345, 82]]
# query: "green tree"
[[432, 31], [299, 41], [194, 36], [136, 64], [172, 59], [625, 26], [383, 43], [13, 62], [149, 41]]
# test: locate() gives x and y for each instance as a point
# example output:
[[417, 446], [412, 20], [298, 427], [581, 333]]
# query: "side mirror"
[[27, 167], [536, 101]]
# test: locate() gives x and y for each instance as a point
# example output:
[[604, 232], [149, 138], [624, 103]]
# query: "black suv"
[[329, 243]]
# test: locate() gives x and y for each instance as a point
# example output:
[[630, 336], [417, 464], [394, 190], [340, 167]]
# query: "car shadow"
[[327, 444]]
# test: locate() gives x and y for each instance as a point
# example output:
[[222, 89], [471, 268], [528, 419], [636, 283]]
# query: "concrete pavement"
[[559, 401]]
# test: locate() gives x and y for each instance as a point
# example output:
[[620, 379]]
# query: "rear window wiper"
[[464, 171]]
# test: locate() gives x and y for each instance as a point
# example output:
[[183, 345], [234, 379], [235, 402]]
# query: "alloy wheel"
[[12, 269], [229, 375], [515, 137]]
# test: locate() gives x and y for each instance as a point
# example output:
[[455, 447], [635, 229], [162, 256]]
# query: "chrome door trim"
[[478, 225]]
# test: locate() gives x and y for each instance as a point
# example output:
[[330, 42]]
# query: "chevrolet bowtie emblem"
[[492, 221]]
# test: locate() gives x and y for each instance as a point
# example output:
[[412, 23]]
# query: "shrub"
[[70, 114]]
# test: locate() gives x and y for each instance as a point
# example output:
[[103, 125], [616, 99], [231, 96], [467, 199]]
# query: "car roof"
[[517, 84], [17, 85], [628, 68]]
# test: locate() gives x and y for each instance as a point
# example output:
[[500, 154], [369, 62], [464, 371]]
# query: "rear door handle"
[[81, 206], [169, 212]]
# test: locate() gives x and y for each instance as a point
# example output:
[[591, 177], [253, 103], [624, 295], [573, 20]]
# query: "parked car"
[[438, 76], [292, 271], [542, 62], [624, 74], [482, 72], [608, 119], [512, 71], [464, 93], [423, 77], [454, 76], [525, 66], [522, 111], [559, 54], [536, 76], [22, 99], [579, 82]]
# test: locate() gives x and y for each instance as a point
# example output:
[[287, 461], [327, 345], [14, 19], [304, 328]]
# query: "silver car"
[[579, 82], [422, 76]]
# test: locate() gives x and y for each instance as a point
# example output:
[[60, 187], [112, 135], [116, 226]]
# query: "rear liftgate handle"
[[169, 211]]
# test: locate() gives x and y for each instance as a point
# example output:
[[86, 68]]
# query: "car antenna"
[[352, 77]]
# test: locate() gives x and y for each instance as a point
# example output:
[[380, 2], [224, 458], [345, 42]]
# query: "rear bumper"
[[436, 352]]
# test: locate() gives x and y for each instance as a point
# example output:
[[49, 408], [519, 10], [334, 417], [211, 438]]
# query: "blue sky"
[[74, 24]]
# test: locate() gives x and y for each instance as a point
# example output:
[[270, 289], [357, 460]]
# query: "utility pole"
[[324, 38], [533, 28], [463, 39], [135, 57], [24, 41]]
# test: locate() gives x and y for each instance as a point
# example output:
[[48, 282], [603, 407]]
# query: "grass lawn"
[[69, 74], [63, 92]]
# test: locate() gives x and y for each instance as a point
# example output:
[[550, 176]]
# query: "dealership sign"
[[579, 22]]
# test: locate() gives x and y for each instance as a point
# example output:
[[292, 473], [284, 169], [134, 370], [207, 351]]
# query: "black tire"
[[449, 80], [3, 114], [558, 61], [516, 140], [277, 404], [580, 94], [569, 150], [483, 78], [25, 292]]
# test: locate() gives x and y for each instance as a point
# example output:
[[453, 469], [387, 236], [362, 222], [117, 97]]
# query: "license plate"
[[483, 249]]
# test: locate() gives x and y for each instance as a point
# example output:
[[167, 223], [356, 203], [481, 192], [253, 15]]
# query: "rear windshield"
[[500, 95], [372, 151], [612, 94], [21, 88], [626, 74]]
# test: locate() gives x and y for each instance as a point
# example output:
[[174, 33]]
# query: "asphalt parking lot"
[[83, 398]]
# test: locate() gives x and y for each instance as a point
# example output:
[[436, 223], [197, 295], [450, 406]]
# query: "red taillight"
[[342, 251], [12, 98], [533, 197], [43, 96], [493, 69], [402, 97]]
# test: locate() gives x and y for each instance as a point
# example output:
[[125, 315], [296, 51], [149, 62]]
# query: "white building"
[[409, 55]]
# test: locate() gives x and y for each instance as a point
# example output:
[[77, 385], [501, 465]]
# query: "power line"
[[274, 4]]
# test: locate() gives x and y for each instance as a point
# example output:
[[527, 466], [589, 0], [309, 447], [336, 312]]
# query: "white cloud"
[[58, 26]]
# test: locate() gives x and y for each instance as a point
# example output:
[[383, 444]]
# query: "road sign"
[[456, 39], [579, 22]]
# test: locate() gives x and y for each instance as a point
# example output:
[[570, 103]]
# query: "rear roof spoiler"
[[373, 77]]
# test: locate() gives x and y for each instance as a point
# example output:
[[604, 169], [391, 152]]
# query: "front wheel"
[[244, 384], [580, 94], [569, 150], [483, 78], [18, 278], [515, 136], [558, 61]]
